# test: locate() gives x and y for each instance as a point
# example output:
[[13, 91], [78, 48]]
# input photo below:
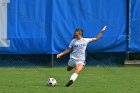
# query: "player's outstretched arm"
[[100, 34], [64, 52]]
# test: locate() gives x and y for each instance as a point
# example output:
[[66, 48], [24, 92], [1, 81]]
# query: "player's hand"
[[103, 29], [58, 56]]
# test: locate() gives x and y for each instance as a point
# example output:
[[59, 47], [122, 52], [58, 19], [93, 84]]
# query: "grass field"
[[91, 80]]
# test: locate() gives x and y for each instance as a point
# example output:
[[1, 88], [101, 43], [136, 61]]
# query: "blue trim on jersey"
[[84, 62], [85, 57]]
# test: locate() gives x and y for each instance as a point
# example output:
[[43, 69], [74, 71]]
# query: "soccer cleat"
[[69, 83]]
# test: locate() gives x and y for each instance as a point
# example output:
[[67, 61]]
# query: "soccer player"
[[77, 47]]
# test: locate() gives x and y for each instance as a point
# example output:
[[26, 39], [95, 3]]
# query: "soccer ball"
[[52, 82]]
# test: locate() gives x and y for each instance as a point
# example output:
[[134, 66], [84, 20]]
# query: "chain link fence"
[[50, 60]]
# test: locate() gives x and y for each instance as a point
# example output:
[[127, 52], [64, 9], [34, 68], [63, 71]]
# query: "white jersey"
[[79, 48]]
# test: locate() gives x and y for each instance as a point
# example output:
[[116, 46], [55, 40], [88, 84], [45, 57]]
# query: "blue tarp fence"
[[47, 26], [134, 27]]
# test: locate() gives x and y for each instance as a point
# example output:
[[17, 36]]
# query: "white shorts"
[[72, 62]]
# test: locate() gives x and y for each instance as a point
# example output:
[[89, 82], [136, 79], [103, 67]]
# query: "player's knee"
[[68, 69]]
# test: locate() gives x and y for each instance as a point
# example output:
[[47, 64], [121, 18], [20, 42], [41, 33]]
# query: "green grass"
[[90, 80]]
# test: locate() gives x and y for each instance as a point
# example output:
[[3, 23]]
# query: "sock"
[[73, 76]]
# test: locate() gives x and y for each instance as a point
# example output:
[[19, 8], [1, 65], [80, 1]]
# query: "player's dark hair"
[[78, 30]]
